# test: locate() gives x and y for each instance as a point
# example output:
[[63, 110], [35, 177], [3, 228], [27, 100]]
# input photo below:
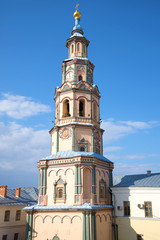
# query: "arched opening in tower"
[[82, 108], [66, 108]]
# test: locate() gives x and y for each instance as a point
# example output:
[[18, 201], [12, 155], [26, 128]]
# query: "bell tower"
[[74, 181], [77, 121]]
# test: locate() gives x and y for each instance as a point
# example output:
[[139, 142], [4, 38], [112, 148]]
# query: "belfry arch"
[[66, 108], [82, 108]]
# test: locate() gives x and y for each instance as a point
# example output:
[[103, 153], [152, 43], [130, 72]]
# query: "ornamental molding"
[[65, 133]]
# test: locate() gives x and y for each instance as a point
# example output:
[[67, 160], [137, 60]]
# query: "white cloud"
[[19, 107], [115, 130], [141, 156], [137, 125], [127, 168], [112, 157], [22, 147], [112, 149], [135, 156]]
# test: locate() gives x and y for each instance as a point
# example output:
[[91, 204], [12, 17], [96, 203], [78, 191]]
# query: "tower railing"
[[80, 119]]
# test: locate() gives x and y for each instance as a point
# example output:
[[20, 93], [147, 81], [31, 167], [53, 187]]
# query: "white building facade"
[[136, 201]]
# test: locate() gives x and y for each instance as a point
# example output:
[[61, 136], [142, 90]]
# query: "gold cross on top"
[[77, 6]]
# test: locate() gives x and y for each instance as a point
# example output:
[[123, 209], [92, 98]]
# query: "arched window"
[[78, 47], [80, 78], [94, 111], [59, 190], [82, 108], [66, 108], [83, 145], [82, 149], [102, 189], [72, 48], [84, 49]]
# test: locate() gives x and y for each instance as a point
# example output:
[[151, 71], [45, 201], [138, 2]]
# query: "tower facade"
[[74, 195]]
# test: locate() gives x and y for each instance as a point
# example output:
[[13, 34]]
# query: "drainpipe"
[[114, 216]]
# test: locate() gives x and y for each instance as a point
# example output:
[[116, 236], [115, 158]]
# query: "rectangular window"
[[59, 192], [16, 236], [7, 216], [18, 215], [139, 237], [126, 205], [4, 237], [148, 209]]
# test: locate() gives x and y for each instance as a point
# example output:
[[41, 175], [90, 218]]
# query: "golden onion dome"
[[77, 15]]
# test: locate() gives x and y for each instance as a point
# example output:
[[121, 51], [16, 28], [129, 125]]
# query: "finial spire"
[[77, 28]]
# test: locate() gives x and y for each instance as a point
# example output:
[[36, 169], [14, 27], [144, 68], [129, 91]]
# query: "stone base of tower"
[[86, 222]]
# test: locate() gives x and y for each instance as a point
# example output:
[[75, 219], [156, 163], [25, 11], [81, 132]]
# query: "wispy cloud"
[[127, 168], [141, 156], [112, 149], [22, 147], [115, 130], [19, 107], [135, 156]]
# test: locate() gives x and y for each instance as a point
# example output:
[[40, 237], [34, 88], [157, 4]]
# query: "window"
[[83, 145], [4, 237], [126, 205], [59, 192], [7, 216], [78, 47], [18, 215], [16, 236], [84, 49], [82, 149], [82, 108], [66, 108], [148, 209], [80, 78], [102, 189], [139, 237], [72, 48], [94, 111]]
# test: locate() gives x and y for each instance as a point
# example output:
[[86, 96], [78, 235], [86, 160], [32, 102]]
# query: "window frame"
[[149, 208], [78, 47], [7, 215], [16, 235], [127, 208], [18, 215], [4, 237], [58, 194], [102, 184]]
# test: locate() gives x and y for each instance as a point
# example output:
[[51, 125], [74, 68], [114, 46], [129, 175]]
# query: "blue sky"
[[124, 47]]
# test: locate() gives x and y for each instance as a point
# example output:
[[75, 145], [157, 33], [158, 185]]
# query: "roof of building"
[[138, 180], [69, 154], [28, 196], [56, 207]]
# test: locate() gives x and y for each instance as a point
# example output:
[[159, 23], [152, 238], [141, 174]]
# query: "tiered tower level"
[[74, 194]]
